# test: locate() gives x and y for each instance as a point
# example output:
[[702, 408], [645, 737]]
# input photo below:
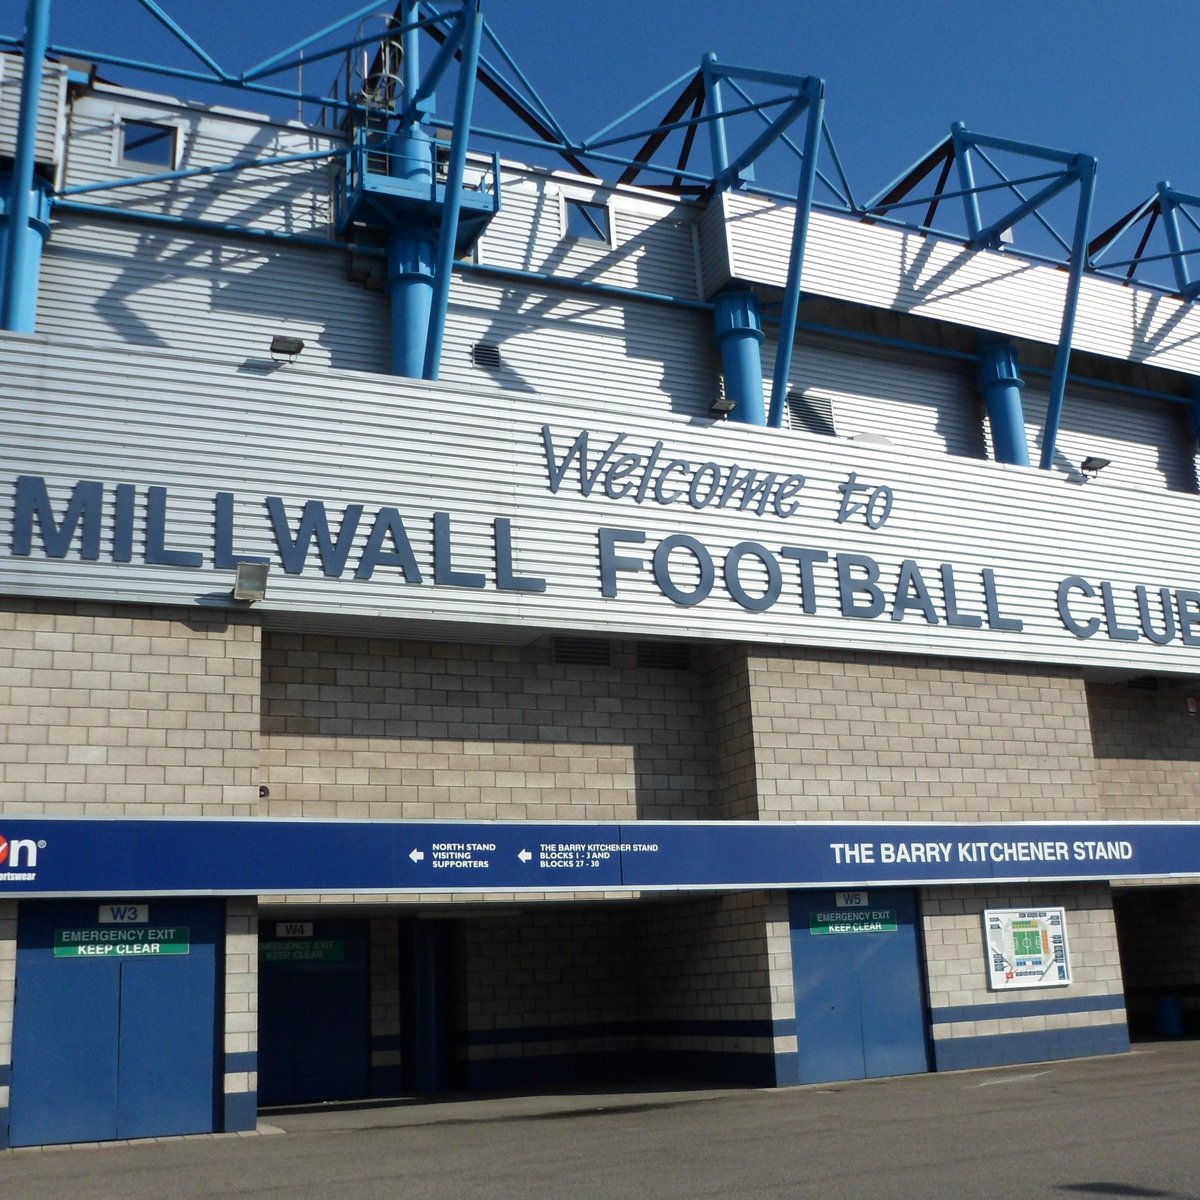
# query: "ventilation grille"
[[664, 656], [810, 414], [581, 652], [486, 355]]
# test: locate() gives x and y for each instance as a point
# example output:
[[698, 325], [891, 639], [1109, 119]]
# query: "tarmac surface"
[[1122, 1126]]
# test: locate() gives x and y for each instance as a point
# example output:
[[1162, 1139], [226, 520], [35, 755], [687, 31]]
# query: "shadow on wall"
[[1146, 742], [481, 730]]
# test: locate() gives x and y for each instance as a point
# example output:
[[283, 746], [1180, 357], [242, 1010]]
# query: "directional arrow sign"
[[524, 856], [417, 855]]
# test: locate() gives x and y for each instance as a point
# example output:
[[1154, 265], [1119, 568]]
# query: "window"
[[588, 219], [148, 145]]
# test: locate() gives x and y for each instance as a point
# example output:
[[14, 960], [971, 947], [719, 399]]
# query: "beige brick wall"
[[354, 728], [732, 716], [385, 993], [956, 961], [241, 990], [546, 967], [716, 958], [871, 737], [121, 710], [1147, 748]]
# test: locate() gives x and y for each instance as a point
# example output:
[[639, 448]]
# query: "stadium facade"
[[604, 711]]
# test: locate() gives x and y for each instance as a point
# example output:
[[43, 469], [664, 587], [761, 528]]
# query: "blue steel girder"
[[966, 150], [1179, 214]]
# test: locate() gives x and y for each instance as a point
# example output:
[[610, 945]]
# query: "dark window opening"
[[148, 144], [587, 219]]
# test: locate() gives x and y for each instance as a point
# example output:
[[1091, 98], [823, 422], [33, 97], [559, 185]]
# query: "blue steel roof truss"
[[659, 154]]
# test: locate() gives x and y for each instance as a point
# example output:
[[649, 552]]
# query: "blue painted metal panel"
[[891, 992], [47, 856], [313, 1039], [829, 1030], [951, 1013], [859, 996], [64, 1071], [168, 1035], [1042, 1045], [109, 1048]]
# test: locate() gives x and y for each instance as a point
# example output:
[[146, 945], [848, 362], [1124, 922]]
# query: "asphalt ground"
[[1123, 1126]]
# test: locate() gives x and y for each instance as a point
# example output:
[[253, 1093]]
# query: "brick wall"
[[870, 737], [1147, 749], [716, 983], [554, 987], [121, 710], [975, 1026], [732, 716], [385, 1006], [358, 728], [241, 1014]]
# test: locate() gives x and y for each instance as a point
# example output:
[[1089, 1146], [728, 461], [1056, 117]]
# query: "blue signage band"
[[49, 856]]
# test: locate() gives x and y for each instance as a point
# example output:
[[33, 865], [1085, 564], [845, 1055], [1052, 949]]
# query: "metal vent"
[[810, 414], [664, 656], [486, 355], [581, 652]]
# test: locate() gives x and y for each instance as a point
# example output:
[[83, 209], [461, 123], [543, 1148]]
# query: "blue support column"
[[472, 33], [410, 255], [20, 290], [411, 249], [26, 234], [1001, 383], [1085, 169], [740, 337], [815, 89]]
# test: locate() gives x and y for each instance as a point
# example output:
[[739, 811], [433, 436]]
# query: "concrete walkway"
[[1121, 1126]]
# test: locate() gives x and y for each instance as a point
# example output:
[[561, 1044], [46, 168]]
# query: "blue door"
[[313, 1012], [115, 1045], [860, 994]]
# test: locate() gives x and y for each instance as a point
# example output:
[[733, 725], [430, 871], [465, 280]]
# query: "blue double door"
[[109, 1047], [859, 983]]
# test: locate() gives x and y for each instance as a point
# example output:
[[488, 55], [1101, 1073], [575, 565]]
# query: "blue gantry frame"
[[748, 116]]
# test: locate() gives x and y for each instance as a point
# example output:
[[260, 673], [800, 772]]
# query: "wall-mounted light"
[[284, 347], [250, 582], [722, 406], [1093, 465]]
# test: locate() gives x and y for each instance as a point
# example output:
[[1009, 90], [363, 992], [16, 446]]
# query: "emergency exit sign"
[[122, 942]]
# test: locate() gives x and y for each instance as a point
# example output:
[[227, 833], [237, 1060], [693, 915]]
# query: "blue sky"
[[1107, 77]]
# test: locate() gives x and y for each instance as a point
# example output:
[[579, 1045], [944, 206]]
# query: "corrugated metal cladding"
[[915, 401], [115, 282], [652, 246], [74, 411], [294, 197], [889, 268], [51, 112], [1148, 443], [597, 350], [119, 283]]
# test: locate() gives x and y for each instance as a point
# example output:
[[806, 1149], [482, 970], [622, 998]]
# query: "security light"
[[1092, 465], [283, 347], [722, 406], [250, 582]]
